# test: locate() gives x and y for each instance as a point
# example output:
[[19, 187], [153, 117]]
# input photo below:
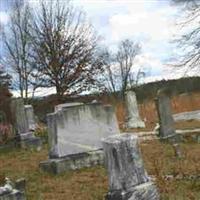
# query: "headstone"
[[24, 136], [134, 120], [79, 128], [75, 134], [128, 180], [166, 121], [30, 117], [19, 116]]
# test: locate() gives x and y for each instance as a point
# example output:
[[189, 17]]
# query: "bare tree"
[[135, 77], [109, 75], [189, 41], [118, 67], [18, 47], [64, 49], [125, 57]]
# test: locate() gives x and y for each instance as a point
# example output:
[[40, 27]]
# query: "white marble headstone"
[[133, 118], [79, 128]]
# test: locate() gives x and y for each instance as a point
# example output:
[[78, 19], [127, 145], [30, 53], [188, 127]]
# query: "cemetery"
[[88, 153], [86, 117]]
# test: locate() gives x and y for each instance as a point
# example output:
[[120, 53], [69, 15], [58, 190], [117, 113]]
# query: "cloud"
[[4, 17], [154, 25]]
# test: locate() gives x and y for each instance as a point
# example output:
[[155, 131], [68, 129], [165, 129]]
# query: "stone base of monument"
[[145, 191], [28, 140], [135, 124], [72, 162], [14, 195]]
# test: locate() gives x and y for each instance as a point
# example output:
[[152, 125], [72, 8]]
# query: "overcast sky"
[[150, 22]]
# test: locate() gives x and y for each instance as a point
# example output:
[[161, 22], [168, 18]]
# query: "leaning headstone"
[[75, 134], [24, 137], [128, 180], [133, 118], [30, 117], [166, 121]]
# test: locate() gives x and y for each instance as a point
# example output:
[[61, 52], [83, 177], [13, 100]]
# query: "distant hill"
[[147, 91], [174, 87]]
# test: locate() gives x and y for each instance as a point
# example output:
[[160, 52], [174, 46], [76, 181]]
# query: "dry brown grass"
[[160, 160], [180, 103], [91, 184], [87, 184], [190, 124]]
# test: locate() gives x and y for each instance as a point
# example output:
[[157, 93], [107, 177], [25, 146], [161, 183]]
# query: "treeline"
[[174, 87], [144, 92]]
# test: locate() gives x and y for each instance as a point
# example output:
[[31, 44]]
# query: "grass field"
[[91, 184]]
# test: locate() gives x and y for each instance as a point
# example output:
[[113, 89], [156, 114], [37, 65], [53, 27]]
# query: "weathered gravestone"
[[25, 137], [75, 134], [166, 121], [127, 177], [10, 191], [30, 117], [134, 120], [19, 116]]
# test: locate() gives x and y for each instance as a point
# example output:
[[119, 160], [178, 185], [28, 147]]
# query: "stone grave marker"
[[25, 137], [75, 134], [19, 116], [166, 121], [133, 118], [79, 128], [128, 180], [30, 117]]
